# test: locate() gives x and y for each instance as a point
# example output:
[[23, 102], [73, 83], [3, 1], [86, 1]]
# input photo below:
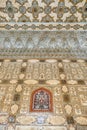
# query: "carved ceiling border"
[[44, 26]]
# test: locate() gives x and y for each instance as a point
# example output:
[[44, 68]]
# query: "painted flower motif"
[[35, 9], [40, 120], [10, 10], [11, 119]]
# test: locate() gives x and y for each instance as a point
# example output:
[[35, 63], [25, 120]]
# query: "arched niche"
[[41, 100]]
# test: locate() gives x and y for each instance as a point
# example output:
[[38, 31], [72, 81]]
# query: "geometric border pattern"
[[43, 26]]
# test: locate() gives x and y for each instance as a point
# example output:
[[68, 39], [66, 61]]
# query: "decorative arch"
[[41, 100]]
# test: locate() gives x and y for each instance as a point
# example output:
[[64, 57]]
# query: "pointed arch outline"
[[50, 103]]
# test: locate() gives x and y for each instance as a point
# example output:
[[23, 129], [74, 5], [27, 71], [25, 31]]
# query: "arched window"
[[41, 101]]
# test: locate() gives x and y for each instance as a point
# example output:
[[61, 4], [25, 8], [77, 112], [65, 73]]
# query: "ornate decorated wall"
[[43, 64], [43, 94], [43, 15]]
